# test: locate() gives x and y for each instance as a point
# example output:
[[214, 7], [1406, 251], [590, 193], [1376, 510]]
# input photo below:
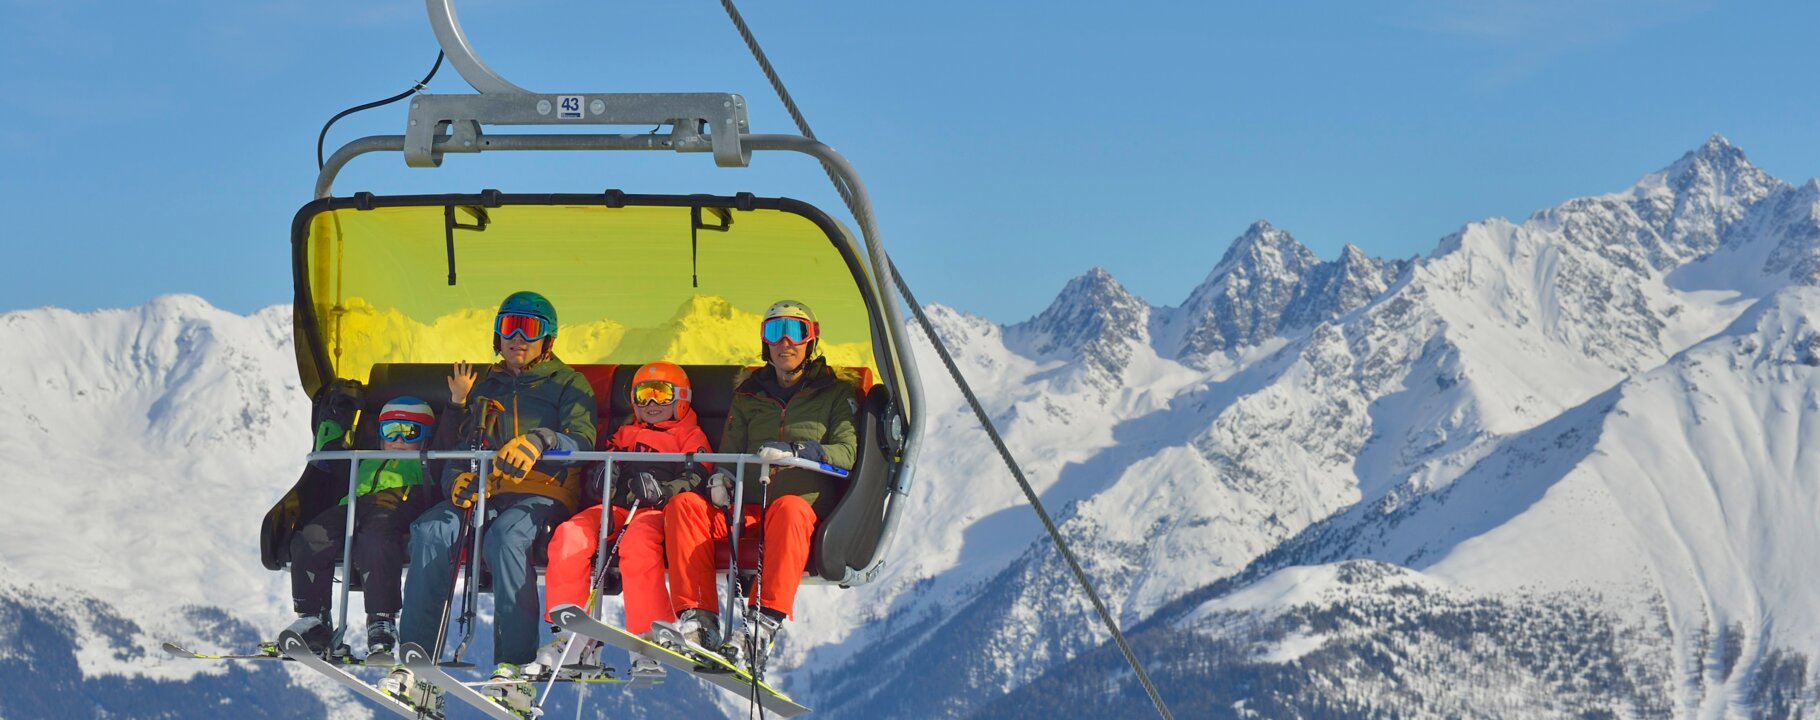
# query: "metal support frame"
[[347, 554], [440, 124], [736, 521]]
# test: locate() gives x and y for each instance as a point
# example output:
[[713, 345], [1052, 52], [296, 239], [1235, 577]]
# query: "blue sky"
[[153, 148]]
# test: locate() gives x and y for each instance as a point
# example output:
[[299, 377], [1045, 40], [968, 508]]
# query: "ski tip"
[[412, 654], [292, 645]]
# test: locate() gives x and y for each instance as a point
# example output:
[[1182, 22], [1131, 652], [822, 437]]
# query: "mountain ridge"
[[1328, 406]]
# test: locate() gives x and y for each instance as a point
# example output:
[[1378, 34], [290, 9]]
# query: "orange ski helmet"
[[667, 372]]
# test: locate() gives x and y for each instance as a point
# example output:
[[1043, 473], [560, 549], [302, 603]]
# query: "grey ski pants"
[[515, 524]]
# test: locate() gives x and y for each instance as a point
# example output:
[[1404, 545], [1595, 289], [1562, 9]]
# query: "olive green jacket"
[[822, 410], [502, 406]]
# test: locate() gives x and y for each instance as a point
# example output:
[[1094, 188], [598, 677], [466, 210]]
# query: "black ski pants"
[[382, 525]]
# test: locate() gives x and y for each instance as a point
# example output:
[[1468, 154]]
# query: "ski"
[[711, 668], [296, 649], [425, 668], [267, 651], [183, 652]]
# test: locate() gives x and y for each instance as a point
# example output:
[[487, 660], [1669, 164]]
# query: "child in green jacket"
[[391, 495]]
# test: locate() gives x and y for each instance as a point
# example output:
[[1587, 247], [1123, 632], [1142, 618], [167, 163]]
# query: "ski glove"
[[648, 491], [597, 480], [463, 490], [805, 449], [514, 461], [720, 491]]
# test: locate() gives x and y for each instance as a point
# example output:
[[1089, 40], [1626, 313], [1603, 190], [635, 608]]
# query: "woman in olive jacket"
[[794, 406]]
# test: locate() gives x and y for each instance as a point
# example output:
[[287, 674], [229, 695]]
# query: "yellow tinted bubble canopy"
[[688, 279]]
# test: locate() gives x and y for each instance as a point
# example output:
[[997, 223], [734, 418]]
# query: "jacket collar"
[[539, 369], [815, 377]]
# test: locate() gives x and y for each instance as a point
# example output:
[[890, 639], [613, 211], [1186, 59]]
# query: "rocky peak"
[[1091, 309], [1688, 206], [1718, 168], [1333, 289], [1244, 299], [1265, 249]]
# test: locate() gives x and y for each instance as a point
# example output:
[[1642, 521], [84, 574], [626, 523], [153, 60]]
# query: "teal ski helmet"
[[525, 302]]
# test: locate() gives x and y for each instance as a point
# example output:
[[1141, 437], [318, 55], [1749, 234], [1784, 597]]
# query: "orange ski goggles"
[[657, 392]]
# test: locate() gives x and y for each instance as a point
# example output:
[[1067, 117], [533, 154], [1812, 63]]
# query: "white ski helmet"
[[792, 309]]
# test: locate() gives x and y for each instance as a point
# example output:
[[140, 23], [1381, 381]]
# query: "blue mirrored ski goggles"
[[401, 431], [792, 330]]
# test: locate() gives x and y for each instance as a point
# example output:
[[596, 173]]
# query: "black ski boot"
[[315, 631], [382, 638]]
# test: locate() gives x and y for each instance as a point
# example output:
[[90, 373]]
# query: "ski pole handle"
[[808, 464]]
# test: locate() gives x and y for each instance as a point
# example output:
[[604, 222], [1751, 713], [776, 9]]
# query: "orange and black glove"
[[464, 490], [515, 459]]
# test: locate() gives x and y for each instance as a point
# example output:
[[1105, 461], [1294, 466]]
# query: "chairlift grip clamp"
[[452, 123]]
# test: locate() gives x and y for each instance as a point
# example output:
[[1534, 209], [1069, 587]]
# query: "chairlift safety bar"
[[739, 460]]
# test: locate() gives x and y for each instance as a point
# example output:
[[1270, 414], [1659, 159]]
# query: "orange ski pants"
[[692, 526], [641, 564]]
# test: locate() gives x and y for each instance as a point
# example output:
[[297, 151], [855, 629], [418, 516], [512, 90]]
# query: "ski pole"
[[593, 590], [471, 594], [456, 553], [755, 610], [487, 410]]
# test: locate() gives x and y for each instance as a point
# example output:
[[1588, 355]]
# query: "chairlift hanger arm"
[[500, 102], [458, 118], [455, 46]]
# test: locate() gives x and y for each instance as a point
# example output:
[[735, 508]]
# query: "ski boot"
[[315, 631], [699, 627], [583, 660], [750, 648], [382, 638], [511, 689], [401, 683]]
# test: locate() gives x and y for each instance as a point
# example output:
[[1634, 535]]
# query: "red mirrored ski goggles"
[[528, 327]]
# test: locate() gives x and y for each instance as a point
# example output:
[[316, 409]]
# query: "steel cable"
[[1074, 565]]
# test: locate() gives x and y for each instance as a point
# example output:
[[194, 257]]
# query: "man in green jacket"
[[529, 403], [794, 406]]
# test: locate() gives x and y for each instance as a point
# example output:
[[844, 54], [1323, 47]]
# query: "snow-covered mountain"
[[1555, 467]]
